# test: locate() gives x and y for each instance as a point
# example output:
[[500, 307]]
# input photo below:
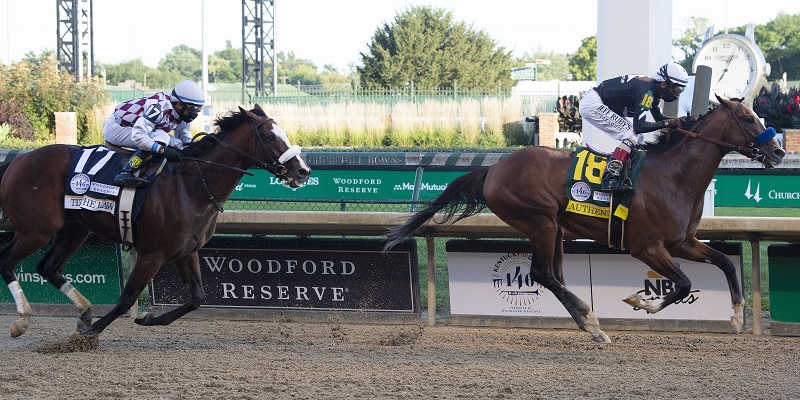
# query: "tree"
[[425, 46], [134, 70], [690, 42], [583, 64], [225, 65], [296, 70], [182, 61], [558, 68], [779, 39]]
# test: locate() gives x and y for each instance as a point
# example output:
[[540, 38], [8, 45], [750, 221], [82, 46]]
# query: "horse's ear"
[[722, 100], [252, 116], [257, 107]]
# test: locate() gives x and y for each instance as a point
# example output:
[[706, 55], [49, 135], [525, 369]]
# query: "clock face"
[[734, 67]]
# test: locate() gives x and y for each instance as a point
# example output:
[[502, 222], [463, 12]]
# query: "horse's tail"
[[465, 192]]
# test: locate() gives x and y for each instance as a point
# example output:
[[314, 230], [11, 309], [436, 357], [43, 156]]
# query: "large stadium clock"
[[738, 67]]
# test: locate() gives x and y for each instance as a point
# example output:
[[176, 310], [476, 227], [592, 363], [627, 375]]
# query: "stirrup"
[[125, 178], [615, 185]]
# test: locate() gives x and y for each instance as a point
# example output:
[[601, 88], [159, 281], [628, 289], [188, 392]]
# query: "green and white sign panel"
[[757, 190], [347, 184], [94, 270]]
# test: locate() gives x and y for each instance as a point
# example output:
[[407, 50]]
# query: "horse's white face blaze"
[[280, 134]]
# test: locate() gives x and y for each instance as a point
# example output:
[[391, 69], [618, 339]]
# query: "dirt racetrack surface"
[[194, 358]]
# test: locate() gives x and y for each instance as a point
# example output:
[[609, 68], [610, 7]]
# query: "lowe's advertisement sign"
[[757, 190]]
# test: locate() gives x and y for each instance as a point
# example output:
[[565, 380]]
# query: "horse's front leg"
[[143, 271], [189, 271], [696, 250]]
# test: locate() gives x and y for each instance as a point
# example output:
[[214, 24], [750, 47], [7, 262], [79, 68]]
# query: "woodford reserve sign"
[[312, 274]]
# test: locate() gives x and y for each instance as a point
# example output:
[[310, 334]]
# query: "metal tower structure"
[[258, 47], [75, 50]]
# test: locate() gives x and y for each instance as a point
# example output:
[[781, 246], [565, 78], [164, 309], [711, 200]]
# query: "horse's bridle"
[[751, 151], [277, 166]]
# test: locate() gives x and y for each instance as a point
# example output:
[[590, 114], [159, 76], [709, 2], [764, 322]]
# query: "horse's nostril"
[[779, 152]]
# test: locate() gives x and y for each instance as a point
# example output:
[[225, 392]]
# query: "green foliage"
[[31, 94], [779, 108], [225, 65], [424, 47], [779, 39], [583, 64], [690, 42], [557, 70]]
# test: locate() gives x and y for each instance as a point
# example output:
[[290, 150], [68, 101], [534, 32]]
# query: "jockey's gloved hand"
[[157, 148], [690, 119], [673, 122], [173, 155]]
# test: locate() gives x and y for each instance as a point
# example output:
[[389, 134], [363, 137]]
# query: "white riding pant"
[[600, 116], [122, 136]]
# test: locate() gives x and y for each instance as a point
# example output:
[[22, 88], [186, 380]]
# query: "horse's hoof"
[[738, 324], [737, 320], [19, 327], [634, 300], [143, 318], [601, 338]]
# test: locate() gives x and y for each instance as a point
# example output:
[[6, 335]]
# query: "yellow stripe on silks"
[[587, 209], [621, 212]]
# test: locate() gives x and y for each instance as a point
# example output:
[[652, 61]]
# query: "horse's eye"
[[750, 120]]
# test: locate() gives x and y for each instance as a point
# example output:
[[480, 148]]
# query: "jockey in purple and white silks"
[[145, 123], [610, 106]]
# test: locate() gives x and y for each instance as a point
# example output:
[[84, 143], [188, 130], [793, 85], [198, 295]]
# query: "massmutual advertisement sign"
[[757, 190]]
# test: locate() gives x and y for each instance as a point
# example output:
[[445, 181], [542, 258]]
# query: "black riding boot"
[[137, 161]]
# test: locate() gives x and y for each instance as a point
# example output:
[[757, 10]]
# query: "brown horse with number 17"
[[178, 217], [527, 190]]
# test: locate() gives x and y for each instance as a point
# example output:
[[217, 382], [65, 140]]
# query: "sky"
[[333, 31]]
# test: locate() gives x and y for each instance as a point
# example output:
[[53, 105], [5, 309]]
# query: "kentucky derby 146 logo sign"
[[512, 280]]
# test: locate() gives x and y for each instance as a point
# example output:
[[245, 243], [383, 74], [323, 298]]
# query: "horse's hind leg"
[[21, 246], [696, 250], [65, 243], [549, 251], [189, 271]]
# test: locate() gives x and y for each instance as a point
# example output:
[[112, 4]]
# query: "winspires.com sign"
[[314, 274]]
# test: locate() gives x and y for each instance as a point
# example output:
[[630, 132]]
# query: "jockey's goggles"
[[192, 107]]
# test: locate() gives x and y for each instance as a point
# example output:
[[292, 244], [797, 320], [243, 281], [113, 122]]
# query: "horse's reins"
[[752, 152], [276, 168]]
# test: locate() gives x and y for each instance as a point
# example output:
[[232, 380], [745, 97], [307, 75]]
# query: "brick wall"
[[791, 140], [548, 127], [66, 128]]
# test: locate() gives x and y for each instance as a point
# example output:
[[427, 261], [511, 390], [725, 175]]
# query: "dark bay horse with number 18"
[[178, 217], [527, 190]]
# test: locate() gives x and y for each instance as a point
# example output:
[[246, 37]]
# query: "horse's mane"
[[227, 123], [665, 139]]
